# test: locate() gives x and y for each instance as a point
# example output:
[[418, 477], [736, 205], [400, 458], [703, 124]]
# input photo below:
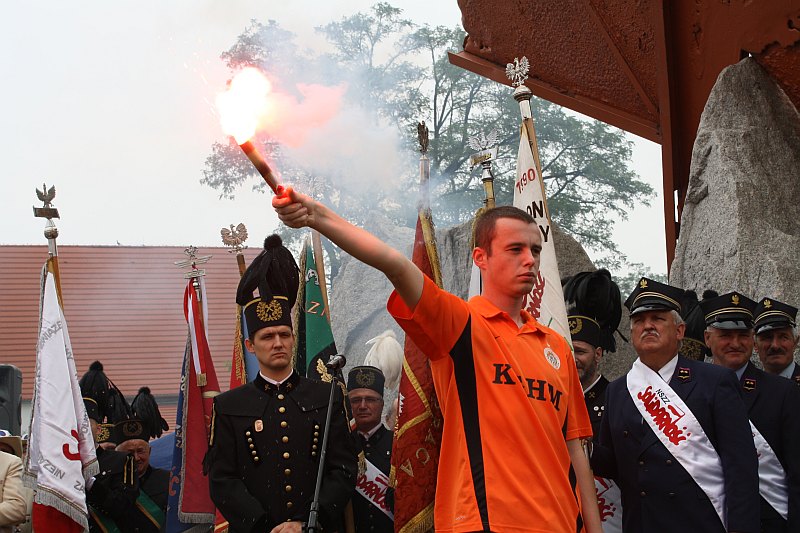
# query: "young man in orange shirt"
[[512, 402]]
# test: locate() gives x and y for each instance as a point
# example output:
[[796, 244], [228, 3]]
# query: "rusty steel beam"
[[587, 106], [661, 32], [621, 61]]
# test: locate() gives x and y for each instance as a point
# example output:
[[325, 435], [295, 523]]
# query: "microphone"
[[336, 362]]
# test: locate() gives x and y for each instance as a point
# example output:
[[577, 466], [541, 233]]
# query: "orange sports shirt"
[[510, 398]]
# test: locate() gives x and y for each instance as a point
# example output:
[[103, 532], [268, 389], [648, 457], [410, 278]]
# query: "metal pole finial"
[[49, 212], [423, 137], [234, 237]]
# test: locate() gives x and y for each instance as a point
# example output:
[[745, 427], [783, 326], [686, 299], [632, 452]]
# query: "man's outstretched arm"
[[298, 210]]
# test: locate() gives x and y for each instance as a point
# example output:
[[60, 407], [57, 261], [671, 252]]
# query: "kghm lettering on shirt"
[[665, 417], [536, 389]]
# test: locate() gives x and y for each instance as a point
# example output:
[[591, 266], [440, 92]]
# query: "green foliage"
[[400, 73]]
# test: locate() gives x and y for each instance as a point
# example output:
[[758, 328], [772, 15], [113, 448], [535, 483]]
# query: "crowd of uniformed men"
[[696, 436]]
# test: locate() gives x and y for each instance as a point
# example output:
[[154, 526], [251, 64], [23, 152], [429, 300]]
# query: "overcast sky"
[[113, 103]]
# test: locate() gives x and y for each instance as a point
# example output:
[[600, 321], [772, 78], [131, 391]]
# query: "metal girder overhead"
[[645, 66]]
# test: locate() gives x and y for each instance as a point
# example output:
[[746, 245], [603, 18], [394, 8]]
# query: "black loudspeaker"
[[10, 398]]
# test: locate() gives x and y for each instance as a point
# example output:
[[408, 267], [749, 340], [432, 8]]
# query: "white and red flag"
[[545, 302], [61, 454]]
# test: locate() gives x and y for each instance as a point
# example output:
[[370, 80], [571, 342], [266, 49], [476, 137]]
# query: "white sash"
[[609, 500], [373, 485], [663, 410], [772, 482]]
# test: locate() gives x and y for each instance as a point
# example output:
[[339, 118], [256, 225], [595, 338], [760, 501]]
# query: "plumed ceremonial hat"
[[594, 294], [771, 314], [366, 377], [729, 311], [92, 410], [145, 408], [584, 329], [277, 277], [386, 354], [651, 295], [110, 401]]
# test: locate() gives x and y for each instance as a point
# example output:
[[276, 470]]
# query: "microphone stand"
[[313, 516]]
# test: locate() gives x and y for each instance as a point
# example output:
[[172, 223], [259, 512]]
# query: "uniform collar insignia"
[[684, 373], [591, 395], [749, 384]]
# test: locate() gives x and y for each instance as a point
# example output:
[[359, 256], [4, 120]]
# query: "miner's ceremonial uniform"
[[265, 447], [595, 397], [658, 493], [377, 450], [586, 329], [373, 502]]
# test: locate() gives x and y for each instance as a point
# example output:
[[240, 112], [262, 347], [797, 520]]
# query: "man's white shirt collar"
[[270, 380], [587, 389], [787, 372], [668, 369], [371, 432]]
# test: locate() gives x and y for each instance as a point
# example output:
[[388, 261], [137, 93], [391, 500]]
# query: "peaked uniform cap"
[[128, 430], [771, 314], [584, 329], [651, 295], [732, 310], [366, 377]]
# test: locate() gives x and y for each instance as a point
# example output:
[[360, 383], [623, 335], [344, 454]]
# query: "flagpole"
[[517, 72], [425, 205], [50, 232]]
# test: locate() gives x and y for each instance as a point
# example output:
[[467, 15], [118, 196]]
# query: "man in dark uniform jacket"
[[132, 437], [373, 502], [658, 493], [773, 405], [585, 333], [111, 495], [776, 338], [266, 436]]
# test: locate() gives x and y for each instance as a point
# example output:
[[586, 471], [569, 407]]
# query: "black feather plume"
[[111, 402], [273, 272], [145, 408], [595, 295]]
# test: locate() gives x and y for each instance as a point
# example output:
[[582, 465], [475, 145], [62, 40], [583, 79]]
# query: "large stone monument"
[[740, 227]]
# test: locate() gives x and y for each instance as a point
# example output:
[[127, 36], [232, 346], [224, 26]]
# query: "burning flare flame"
[[242, 106]]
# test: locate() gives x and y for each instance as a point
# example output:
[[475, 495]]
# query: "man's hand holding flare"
[[296, 210]]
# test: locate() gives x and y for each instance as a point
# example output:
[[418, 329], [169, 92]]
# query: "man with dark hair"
[[486, 225], [585, 333], [511, 455], [266, 436], [773, 406], [776, 338], [675, 435]]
